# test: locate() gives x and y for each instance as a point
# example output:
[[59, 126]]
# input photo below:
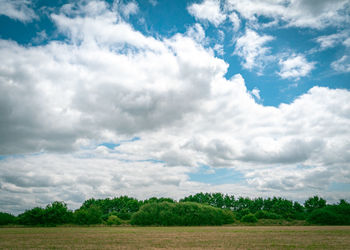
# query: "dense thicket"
[[198, 209], [181, 214], [55, 213], [285, 208], [6, 218], [338, 214]]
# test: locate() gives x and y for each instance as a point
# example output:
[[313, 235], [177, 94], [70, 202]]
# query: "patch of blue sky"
[[14, 156], [152, 161], [339, 186], [113, 145], [110, 145], [205, 174], [166, 18]]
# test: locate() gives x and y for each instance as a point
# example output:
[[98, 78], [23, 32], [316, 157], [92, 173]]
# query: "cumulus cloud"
[[342, 64], [96, 81], [256, 92], [295, 66], [347, 42], [17, 9], [208, 10], [40, 179], [251, 48], [297, 13], [330, 41], [197, 33], [109, 83], [235, 21], [128, 9]]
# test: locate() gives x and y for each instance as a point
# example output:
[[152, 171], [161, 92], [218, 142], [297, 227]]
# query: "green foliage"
[[198, 209], [57, 213], [331, 214], [314, 203], [262, 214], [241, 213], [155, 199], [181, 214], [88, 216], [249, 218], [54, 214], [114, 220], [323, 216], [213, 199], [122, 206], [6, 218], [34, 216]]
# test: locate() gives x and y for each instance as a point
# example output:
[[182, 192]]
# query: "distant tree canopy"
[[181, 214], [198, 209], [54, 214], [6, 218]]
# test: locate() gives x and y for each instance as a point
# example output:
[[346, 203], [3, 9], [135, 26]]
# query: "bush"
[[57, 213], [249, 218], [114, 220], [261, 214], [6, 218], [35, 216], [88, 216], [181, 214], [242, 213], [324, 216]]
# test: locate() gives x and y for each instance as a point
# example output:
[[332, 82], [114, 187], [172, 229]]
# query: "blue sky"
[[170, 98]]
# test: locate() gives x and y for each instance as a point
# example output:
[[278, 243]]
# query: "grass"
[[224, 237]]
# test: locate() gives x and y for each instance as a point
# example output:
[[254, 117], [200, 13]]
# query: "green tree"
[[57, 213], [88, 216], [6, 218], [314, 203], [249, 218], [181, 214], [34, 216], [114, 220]]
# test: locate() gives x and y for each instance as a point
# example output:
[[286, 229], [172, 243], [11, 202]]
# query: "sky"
[[170, 98]]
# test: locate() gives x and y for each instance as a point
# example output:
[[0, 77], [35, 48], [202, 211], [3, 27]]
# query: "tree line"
[[198, 209]]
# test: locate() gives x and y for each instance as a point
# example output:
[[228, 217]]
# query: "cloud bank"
[[107, 82]]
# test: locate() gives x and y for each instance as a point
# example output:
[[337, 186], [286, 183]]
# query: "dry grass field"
[[225, 237]]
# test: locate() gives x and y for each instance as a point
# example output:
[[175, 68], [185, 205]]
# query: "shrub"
[[35, 216], [249, 218], [242, 213], [323, 216], [114, 220], [181, 214], [6, 218], [261, 214], [88, 216], [57, 213]]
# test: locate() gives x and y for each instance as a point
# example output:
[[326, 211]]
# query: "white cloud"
[[128, 9], [295, 66], [235, 21], [297, 13], [219, 49], [17, 9], [197, 33], [109, 83], [333, 40], [251, 48], [256, 92], [347, 42], [208, 10], [153, 2], [342, 65]]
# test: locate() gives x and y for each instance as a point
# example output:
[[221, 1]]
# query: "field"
[[225, 237]]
